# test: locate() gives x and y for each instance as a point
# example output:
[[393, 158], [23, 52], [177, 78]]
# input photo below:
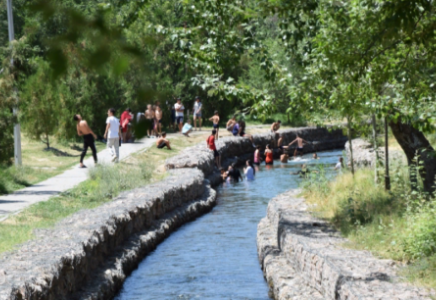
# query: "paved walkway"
[[15, 202]]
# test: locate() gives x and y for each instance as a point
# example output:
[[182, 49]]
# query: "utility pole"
[[17, 131]]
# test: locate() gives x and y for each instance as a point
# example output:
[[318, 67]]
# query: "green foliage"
[[41, 105], [7, 102]]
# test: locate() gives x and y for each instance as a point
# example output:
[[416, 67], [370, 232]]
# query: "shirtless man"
[[162, 142], [88, 139], [300, 143], [215, 120], [275, 126], [158, 116], [149, 115], [231, 123]]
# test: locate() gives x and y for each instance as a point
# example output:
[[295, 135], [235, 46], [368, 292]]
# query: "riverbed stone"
[[290, 238]]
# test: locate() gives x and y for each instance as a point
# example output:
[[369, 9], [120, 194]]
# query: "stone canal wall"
[[302, 258], [235, 148], [89, 254]]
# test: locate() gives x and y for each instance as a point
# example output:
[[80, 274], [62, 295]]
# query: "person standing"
[[257, 158], [211, 146], [197, 112], [269, 159], [88, 138], [158, 115], [216, 120], [112, 135], [300, 144], [179, 113], [126, 117], [149, 115]]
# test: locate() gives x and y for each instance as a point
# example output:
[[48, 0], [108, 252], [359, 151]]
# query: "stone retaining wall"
[[302, 258], [89, 254], [232, 148]]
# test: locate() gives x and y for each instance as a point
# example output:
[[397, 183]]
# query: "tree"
[[41, 106]]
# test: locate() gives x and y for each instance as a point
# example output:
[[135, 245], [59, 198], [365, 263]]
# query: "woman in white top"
[[340, 164], [249, 170]]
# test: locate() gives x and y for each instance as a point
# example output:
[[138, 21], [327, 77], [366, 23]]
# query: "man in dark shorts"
[[211, 146], [300, 143], [215, 120], [88, 139], [162, 142]]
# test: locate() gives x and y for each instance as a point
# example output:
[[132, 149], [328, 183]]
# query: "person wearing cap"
[[179, 113], [197, 112]]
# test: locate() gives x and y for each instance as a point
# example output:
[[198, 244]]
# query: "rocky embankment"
[[364, 154], [302, 258], [89, 254]]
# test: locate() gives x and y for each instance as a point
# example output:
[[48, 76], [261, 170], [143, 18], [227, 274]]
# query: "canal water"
[[215, 256]]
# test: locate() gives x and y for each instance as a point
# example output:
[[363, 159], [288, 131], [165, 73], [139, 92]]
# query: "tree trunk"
[[47, 141], [414, 144], [351, 144], [374, 138], [387, 177]]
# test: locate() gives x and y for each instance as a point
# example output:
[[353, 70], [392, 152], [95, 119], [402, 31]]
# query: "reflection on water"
[[215, 257]]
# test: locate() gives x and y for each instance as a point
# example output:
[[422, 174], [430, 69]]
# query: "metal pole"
[[387, 178], [17, 131]]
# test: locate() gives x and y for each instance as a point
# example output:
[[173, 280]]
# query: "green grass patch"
[[40, 164], [105, 183], [399, 224]]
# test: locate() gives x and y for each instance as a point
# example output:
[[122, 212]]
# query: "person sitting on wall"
[[275, 126], [231, 123], [162, 142], [187, 128]]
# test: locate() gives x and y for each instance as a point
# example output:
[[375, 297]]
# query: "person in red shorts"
[[126, 118], [211, 146]]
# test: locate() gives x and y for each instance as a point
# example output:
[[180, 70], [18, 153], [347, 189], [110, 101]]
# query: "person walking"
[[211, 146], [88, 138], [179, 113], [197, 112], [112, 135]]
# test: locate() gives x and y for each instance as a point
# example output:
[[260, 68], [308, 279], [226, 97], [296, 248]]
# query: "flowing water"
[[215, 256]]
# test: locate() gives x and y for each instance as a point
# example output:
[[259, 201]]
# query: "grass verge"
[[40, 164], [399, 224], [104, 184]]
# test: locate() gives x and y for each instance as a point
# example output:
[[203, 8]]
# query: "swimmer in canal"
[[257, 158], [304, 172], [249, 171], [300, 144], [315, 156], [269, 159], [234, 173]]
